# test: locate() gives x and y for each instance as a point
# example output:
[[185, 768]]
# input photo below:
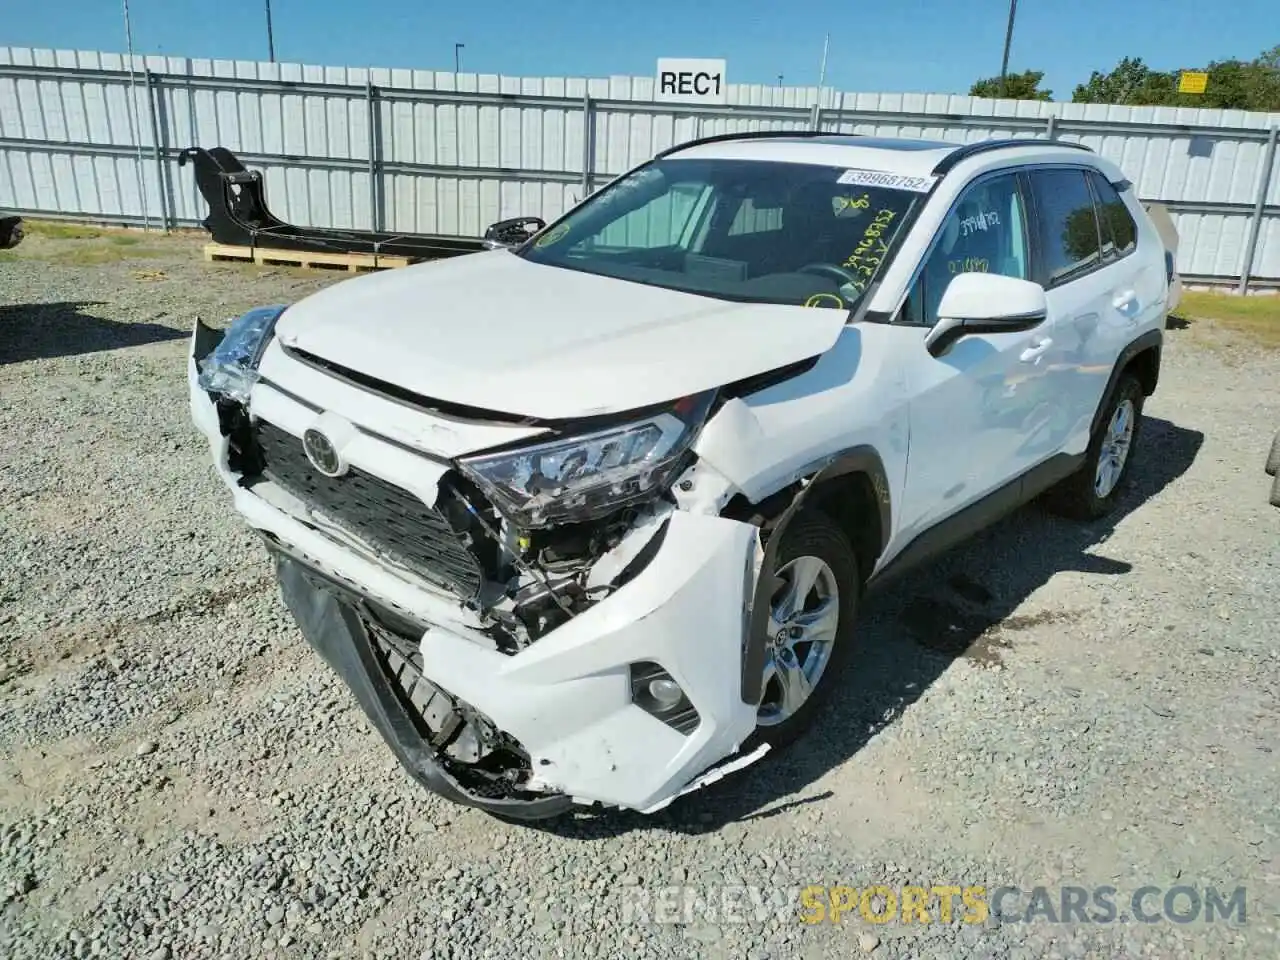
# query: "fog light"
[[658, 694], [666, 692]]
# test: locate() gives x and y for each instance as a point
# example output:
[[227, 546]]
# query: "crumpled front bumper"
[[327, 616], [567, 698]]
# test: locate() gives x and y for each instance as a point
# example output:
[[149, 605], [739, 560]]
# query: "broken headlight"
[[232, 368], [593, 474]]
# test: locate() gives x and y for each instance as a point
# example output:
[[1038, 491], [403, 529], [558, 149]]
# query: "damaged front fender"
[[568, 700]]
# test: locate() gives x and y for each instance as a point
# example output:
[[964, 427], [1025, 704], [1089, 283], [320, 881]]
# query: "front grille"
[[381, 514]]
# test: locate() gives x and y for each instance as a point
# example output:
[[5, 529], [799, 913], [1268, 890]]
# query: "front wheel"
[[811, 631], [1273, 458]]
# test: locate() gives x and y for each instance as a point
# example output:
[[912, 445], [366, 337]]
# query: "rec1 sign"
[[691, 81]]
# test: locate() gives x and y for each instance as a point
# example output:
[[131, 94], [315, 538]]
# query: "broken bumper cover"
[[567, 699], [335, 630]]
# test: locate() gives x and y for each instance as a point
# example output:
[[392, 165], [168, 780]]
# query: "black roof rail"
[[751, 135], [968, 150]]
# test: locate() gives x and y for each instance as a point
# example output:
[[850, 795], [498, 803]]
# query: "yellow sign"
[[1192, 81]]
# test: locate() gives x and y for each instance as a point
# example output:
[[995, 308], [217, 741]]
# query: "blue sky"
[[892, 45]]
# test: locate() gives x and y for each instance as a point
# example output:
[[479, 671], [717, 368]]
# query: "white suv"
[[588, 519]]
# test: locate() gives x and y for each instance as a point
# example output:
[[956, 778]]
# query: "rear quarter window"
[[1119, 231]]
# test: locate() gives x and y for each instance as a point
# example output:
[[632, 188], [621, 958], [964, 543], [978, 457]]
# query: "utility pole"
[[271, 41], [457, 57], [1008, 39], [135, 126]]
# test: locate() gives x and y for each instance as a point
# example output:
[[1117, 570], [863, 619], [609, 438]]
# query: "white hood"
[[492, 330]]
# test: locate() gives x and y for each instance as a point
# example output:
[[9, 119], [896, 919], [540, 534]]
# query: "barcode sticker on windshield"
[[890, 181]]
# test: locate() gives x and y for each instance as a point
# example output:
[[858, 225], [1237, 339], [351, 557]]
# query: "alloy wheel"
[[1115, 449], [804, 616]]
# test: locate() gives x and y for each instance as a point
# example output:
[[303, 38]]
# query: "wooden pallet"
[[354, 262]]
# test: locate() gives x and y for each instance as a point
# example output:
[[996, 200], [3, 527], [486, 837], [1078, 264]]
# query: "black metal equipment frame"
[[10, 232], [239, 217]]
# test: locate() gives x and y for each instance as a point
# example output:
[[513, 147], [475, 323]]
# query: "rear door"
[[1085, 239]]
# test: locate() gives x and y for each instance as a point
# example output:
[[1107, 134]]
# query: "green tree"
[[1017, 86], [1232, 85], [1132, 82], [1262, 81]]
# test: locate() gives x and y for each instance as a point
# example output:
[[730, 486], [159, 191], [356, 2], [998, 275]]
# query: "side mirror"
[[985, 303], [511, 233]]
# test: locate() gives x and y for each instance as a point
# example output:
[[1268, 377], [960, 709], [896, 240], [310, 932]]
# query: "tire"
[[1084, 495], [810, 536], [1273, 458], [1275, 492]]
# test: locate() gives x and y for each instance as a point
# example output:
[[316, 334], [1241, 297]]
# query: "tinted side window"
[[1117, 223], [984, 233], [1068, 225]]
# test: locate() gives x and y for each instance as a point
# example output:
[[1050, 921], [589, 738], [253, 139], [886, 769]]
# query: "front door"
[[972, 407]]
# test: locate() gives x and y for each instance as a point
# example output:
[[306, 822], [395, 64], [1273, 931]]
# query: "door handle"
[[1036, 351], [1124, 301]]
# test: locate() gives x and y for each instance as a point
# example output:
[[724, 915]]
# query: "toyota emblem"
[[320, 451]]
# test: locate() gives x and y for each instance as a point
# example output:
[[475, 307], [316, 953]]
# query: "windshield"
[[750, 230]]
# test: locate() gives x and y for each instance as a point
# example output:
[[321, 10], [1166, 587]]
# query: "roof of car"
[[910, 156]]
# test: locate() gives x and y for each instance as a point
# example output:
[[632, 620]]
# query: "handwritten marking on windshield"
[[870, 250], [850, 205], [826, 300]]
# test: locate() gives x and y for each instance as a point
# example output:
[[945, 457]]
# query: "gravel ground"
[[1050, 705]]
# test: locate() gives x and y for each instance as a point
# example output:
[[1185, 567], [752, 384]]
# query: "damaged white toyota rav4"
[[587, 519]]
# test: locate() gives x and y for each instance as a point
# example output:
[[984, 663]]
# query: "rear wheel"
[[811, 632], [1092, 491], [1275, 492]]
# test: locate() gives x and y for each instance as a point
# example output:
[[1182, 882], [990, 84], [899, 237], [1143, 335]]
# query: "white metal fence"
[[95, 136]]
